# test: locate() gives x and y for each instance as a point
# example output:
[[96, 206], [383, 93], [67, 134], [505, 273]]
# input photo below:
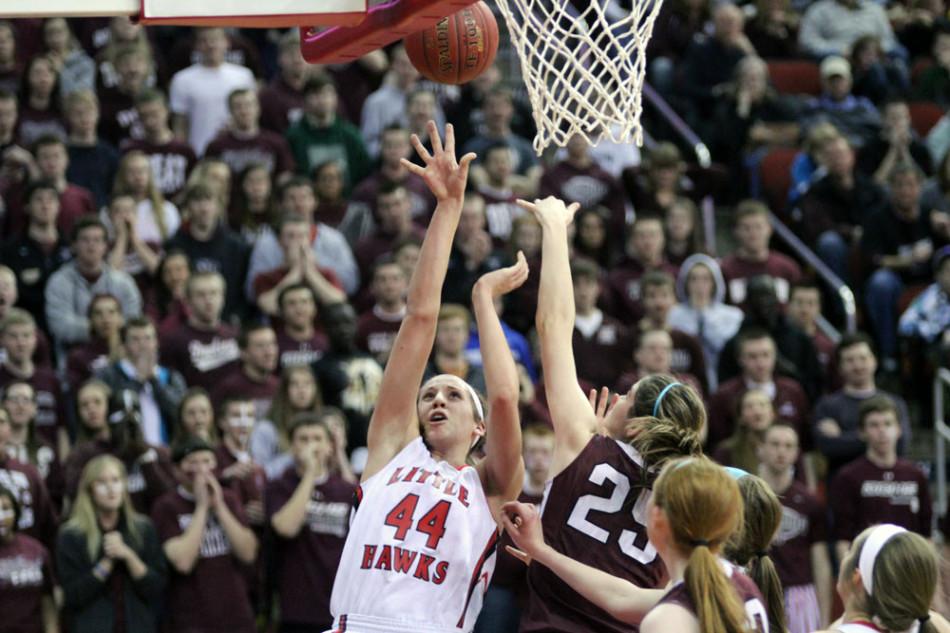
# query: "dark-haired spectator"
[[653, 354], [211, 246], [25, 443], [332, 205], [308, 508], [299, 267], [40, 113], [121, 121], [196, 416], [198, 94], [835, 206], [876, 76], [255, 378], [236, 469], [757, 355], [8, 299], [166, 305], [897, 243], [207, 542], [472, 255], [204, 349], [752, 229], [299, 342], [27, 583], [377, 327], [879, 487], [18, 339], [803, 310], [659, 182], [39, 251], [831, 27], [104, 344], [330, 249], [52, 163], [773, 30], [591, 237], [897, 145], [159, 388], [393, 224], [499, 110], [282, 99], [71, 288], [927, 319], [171, 159], [111, 565], [253, 210], [243, 142], [499, 187], [321, 135], [854, 117], [682, 230], [644, 252], [37, 517], [93, 162], [933, 84], [836, 421], [9, 66]]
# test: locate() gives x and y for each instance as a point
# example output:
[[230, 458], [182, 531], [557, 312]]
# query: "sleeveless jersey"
[[595, 512], [757, 619], [420, 551], [856, 627]]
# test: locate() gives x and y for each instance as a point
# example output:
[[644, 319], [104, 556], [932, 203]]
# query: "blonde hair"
[[703, 507], [154, 195], [16, 316], [84, 518]]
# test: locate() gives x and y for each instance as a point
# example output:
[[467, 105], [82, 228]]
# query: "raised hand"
[[523, 524], [504, 280], [445, 177], [551, 211], [602, 406]]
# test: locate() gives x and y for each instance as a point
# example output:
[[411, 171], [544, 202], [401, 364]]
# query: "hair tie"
[[761, 553], [873, 545], [699, 542], [659, 398], [924, 619]]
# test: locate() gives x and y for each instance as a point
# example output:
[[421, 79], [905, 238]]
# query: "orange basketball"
[[458, 48]]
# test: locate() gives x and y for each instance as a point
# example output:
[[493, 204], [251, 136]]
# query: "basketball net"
[[583, 69]]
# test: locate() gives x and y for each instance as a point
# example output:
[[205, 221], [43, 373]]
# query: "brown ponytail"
[[749, 546], [671, 419], [663, 440], [703, 507]]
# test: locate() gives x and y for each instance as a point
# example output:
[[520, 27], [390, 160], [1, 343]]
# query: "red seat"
[[795, 77], [924, 115], [775, 176]]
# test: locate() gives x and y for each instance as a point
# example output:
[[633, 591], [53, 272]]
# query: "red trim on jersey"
[[342, 628], [476, 574], [357, 497]]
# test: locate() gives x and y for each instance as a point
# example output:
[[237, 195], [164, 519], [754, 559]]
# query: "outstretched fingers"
[[434, 137], [420, 148], [411, 166], [450, 139]]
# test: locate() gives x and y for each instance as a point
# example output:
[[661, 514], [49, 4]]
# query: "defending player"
[[595, 503], [419, 554]]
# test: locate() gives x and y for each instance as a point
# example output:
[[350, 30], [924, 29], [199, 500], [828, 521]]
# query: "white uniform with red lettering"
[[420, 552]]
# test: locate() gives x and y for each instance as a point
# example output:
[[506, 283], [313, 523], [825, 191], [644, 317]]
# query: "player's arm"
[[571, 413], [502, 470], [670, 617], [821, 574], [620, 598], [394, 421]]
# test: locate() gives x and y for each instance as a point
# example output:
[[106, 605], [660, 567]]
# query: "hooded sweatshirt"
[[713, 325]]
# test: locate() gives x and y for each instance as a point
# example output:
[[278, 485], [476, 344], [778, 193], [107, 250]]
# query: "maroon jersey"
[[307, 563], [294, 352], [688, 357], [50, 407], [247, 489], [590, 186], [376, 331], [239, 384], [586, 515], [281, 105], [420, 198], [171, 163], [203, 357], [737, 272], [601, 357], [622, 299], [84, 360], [501, 209], [748, 593], [26, 576], [265, 148], [790, 402], [213, 597], [119, 120], [37, 515], [865, 494], [803, 525]]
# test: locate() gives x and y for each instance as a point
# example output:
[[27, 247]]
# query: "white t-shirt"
[[201, 94]]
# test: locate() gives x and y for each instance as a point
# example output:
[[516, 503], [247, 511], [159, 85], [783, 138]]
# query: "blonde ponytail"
[[718, 608]]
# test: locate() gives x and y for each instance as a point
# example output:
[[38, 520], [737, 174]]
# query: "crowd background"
[[205, 245]]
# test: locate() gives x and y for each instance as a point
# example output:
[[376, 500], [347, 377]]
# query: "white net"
[[583, 63]]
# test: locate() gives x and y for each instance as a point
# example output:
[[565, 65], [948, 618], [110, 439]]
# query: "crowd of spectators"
[[205, 245]]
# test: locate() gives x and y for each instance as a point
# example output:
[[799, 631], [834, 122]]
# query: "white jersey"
[[420, 552], [855, 628]]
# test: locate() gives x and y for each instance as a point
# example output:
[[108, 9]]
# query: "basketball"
[[458, 48]]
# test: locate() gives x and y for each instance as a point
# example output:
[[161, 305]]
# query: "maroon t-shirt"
[[622, 299], [865, 494], [790, 402], [803, 525], [237, 383], [213, 597], [501, 209], [32, 124], [307, 563], [594, 512], [737, 272], [74, 203], [421, 200], [268, 280], [605, 355], [37, 516], [825, 349], [294, 352], [84, 360], [250, 488], [26, 576], [171, 163], [591, 186], [748, 593], [119, 120], [203, 357], [688, 357], [376, 331], [281, 106], [50, 405], [267, 148]]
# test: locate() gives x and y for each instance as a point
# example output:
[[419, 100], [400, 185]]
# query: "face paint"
[[241, 421]]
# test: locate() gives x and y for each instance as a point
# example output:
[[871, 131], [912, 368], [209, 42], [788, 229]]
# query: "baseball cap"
[[835, 66]]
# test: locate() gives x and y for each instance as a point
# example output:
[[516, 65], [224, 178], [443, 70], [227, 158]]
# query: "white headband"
[[476, 400], [873, 545]]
